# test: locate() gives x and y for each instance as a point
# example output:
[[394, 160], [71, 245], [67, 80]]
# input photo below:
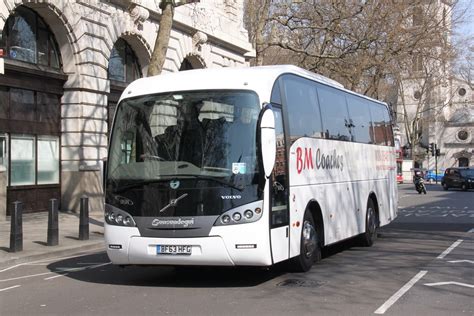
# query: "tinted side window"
[[302, 105], [275, 98], [334, 113], [378, 123], [360, 119], [388, 127]]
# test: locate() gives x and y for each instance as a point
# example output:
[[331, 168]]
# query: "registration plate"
[[173, 249]]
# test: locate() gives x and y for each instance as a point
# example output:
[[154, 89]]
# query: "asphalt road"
[[421, 264]]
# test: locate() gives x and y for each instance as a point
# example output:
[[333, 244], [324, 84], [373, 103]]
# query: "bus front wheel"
[[310, 247], [368, 238]]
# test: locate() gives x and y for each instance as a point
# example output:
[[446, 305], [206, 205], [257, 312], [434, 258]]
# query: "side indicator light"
[[246, 246]]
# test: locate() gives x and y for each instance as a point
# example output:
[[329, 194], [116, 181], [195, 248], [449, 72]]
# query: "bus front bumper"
[[125, 246]]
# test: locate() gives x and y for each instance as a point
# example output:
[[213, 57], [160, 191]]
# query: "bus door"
[[279, 190]]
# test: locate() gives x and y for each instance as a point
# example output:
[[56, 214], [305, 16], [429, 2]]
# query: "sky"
[[466, 27]]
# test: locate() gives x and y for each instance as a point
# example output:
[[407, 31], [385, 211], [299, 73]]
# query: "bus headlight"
[[248, 214], [241, 215], [119, 218], [225, 219], [236, 217]]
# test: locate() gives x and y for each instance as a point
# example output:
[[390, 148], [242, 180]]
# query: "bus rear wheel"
[[368, 238], [310, 247]]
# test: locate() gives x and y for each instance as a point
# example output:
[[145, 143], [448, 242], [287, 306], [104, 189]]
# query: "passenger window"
[[378, 123], [302, 104], [334, 113], [360, 116], [276, 95], [388, 127]]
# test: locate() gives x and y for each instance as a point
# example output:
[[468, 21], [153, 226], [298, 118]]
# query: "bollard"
[[53, 231], [84, 219], [16, 231]]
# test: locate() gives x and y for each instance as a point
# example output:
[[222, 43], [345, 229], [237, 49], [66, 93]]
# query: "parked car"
[[461, 177], [432, 176]]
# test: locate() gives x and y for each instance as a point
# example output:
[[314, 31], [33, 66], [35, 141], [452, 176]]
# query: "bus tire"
[[310, 246], [368, 238]]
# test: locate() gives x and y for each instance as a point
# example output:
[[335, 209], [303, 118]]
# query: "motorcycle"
[[420, 185]]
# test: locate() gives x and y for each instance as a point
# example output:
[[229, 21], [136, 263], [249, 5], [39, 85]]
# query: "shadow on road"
[[163, 276]]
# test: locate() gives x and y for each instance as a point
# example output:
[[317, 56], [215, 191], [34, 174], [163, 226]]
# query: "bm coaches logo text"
[[306, 161]]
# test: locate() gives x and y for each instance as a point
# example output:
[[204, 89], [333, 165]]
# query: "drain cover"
[[300, 283]]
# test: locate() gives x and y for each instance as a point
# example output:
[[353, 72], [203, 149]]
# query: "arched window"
[[186, 65], [28, 38], [123, 68], [123, 63], [30, 111]]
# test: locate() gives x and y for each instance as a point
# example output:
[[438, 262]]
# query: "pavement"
[[35, 228]]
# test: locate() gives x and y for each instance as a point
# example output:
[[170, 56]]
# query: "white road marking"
[[26, 277], [60, 270], [447, 251], [10, 288], [459, 261], [385, 306], [56, 276], [44, 261], [449, 283]]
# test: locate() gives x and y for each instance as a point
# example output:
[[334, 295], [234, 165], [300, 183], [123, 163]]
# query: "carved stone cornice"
[[138, 13]]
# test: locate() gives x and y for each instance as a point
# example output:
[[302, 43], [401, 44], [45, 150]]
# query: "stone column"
[[83, 142]]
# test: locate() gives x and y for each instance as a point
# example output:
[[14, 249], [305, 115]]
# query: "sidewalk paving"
[[35, 227]]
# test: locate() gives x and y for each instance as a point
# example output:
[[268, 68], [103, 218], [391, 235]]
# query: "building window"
[[462, 92], [418, 62], [23, 105], [417, 95], [27, 38], [23, 156], [463, 162], [48, 160], [417, 16], [123, 68], [34, 160], [3, 151], [123, 63]]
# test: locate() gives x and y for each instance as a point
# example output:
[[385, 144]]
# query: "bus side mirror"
[[267, 139]]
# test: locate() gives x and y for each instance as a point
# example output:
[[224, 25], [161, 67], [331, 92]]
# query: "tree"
[[158, 56], [362, 45]]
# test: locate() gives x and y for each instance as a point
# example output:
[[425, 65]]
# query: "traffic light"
[[437, 152], [432, 148]]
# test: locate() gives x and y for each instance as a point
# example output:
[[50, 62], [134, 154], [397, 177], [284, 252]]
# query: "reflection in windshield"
[[205, 134]]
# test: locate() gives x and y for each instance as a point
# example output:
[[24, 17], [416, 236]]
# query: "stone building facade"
[[66, 63], [444, 103], [453, 129]]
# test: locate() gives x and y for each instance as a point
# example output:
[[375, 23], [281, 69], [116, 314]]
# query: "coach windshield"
[[195, 148]]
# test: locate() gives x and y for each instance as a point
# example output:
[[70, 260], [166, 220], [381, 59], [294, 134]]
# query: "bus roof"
[[260, 79]]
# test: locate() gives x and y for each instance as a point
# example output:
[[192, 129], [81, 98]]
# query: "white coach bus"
[[245, 166]]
